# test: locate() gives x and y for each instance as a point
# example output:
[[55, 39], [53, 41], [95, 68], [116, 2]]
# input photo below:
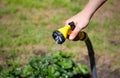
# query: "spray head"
[[58, 37]]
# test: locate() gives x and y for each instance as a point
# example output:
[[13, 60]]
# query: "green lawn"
[[26, 27]]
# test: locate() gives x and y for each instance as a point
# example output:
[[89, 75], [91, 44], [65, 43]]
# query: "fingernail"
[[71, 38]]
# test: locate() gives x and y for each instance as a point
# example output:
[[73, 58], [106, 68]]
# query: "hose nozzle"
[[61, 34]]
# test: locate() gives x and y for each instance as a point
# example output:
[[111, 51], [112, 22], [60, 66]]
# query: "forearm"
[[91, 7]]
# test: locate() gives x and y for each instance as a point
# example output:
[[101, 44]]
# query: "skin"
[[82, 18]]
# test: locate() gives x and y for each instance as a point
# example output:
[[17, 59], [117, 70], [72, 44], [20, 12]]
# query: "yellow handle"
[[81, 35]]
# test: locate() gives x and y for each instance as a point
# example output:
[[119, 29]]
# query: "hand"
[[81, 21]]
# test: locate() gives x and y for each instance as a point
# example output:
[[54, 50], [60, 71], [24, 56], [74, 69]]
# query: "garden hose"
[[61, 35], [91, 57]]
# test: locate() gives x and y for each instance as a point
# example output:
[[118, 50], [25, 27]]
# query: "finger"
[[74, 33]]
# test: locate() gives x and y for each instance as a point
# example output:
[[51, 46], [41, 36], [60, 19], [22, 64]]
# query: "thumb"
[[74, 33]]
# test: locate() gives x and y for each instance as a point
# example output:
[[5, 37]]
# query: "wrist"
[[87, 14]]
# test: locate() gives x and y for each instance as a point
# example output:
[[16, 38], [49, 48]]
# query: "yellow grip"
[[82, 35]]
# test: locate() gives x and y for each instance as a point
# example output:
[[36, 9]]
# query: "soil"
[[105, 69]]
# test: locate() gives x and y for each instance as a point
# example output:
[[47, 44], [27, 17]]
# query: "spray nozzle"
[[61, 34]]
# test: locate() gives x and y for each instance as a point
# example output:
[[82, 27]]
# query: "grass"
[[27, 31], [24, 23]]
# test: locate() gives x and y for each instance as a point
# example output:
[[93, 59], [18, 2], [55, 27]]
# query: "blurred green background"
[[26, 28]]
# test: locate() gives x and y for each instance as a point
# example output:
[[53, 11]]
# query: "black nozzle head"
[[58, 37]]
